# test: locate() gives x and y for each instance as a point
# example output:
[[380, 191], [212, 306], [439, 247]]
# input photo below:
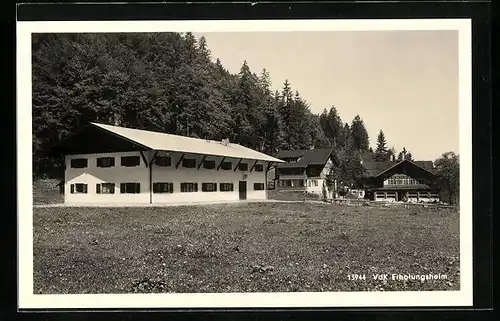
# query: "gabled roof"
[[292, 153], [373, 169], [174, 143], [308, 157], [368, 156]]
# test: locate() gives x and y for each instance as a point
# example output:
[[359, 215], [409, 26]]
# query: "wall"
[[315, 189], [327, 168], [140, 174], [385, 196], [176, 176], [117, 174], [413, 196]]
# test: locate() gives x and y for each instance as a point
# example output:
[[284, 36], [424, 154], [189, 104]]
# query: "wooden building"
[[111, 164], [406, 180], [304, 170]]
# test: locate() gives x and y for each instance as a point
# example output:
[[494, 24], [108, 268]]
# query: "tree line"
[[168, 82]]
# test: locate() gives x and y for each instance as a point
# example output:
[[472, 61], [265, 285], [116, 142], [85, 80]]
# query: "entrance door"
[[243, 190]]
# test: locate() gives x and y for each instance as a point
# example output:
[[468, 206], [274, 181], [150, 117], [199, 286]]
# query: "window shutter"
[[85, 188], [112, 189], [171, 187], [196, 187], [99, 162], [155, 187], [98, 188], [137, 187], [72, 188], [215, 186], [112, 161], [122, 188]]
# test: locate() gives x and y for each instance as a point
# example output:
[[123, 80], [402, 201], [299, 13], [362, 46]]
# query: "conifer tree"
[[359, 134], [381, 150]]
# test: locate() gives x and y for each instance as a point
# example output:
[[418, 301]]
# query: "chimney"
[[404, 153], [225, 142]]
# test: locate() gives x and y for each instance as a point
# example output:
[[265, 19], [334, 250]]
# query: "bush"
[[342, 192]]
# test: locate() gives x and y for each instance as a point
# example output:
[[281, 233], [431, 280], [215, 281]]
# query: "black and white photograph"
[[245, 163]]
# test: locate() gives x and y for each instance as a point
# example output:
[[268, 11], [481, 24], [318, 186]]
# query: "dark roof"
[[292, 153], [308, 157], [368, 156], [376, 168]]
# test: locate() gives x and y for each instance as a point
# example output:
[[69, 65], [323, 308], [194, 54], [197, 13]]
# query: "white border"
[[28, 300]]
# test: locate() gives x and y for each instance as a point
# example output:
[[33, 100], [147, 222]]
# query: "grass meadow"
[[248, 247]]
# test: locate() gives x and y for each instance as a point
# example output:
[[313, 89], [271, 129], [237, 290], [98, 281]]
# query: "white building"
[[109, 164], [304, 170]]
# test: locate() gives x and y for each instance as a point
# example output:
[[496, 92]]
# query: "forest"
[[169, 82]]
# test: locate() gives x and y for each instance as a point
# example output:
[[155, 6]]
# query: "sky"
[[403, 82]]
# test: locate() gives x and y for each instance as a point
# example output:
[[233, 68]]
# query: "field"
[[257, 247]]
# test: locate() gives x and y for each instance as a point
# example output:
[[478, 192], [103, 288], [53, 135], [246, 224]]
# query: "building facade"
[[395, 181], [109, 164], [304, 170]]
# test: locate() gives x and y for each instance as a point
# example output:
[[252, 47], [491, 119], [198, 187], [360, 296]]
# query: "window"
[[226, 187], [189, 187], [259, 167], [105, 162], [105, 188], [402, 180], [161, 187], [258, 186], [163, 161], [130, 188], [189, 163], [243, 166], [79, 163], [78, 188], [209, 164], [209, 187], [130, 161], [226, 165], [315, 182]]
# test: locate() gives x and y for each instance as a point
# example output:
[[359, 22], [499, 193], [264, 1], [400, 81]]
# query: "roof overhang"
[[393, 169], [95, 139], [92, 139]]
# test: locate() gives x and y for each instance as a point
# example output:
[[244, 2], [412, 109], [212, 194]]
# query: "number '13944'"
[[355, 277]]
